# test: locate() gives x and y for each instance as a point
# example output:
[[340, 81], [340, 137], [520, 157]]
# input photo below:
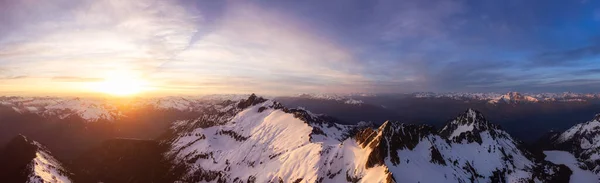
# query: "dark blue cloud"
[[450, 45]]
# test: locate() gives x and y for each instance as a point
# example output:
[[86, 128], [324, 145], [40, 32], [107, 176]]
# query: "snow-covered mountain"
[[228, 139], [457, 96], [25, 160], [101, 109], [258, 140], [87, 109], [346, 99], [513, 97], [583, 141]]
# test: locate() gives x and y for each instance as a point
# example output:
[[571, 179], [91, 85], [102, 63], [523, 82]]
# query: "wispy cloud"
[[569, 56], [301, 46], [75, 79]]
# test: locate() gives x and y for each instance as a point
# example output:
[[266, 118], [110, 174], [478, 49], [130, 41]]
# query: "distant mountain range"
[[510, 97], [94, 109], [260, 140], [515, 97]]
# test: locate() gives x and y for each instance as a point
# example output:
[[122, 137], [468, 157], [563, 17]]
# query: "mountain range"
[[260, 140]]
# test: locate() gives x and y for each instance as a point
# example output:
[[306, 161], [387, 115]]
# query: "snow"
[[347, 99], [277, 145], [45, 168], [511, 97], [585, 138], [97, 109], [566, 158], [353, 102], [514, 97], [32, 109], [585, 144], [269, 132], [461, 129], [582, 128]]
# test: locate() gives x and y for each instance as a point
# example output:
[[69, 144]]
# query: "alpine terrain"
[[260, 140]]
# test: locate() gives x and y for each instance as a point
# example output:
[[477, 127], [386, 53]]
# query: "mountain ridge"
[[378, 153], [25, 160], [260, 140]]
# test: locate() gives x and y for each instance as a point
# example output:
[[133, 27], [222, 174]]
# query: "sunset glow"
[[120, 84], [284, 47]]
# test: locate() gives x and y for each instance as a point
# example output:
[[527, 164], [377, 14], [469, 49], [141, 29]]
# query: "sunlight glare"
[[121, 85]]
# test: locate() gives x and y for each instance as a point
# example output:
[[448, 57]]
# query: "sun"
[[121, 85]]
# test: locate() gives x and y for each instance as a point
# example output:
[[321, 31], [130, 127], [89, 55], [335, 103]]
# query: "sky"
[[290, 46]]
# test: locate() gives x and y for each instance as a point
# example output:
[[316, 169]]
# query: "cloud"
[[252, 42], [569, 56], [300, 46], [13, 77], [75, 79], [96, 34], [193, 41], [410, 19]]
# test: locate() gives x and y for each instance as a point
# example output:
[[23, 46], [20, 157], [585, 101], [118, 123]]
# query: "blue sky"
[[285, 47]]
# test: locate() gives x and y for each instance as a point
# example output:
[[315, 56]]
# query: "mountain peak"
[[252, 100], [468, 125], [389, 138], [514, 97], [472, 117], [20, 139], [597, 117]]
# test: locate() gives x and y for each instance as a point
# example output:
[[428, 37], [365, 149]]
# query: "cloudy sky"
[[286, 47]]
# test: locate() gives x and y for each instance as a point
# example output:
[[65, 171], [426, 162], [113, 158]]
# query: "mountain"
[[122, 160], [101, 109], [258, 140], [69, 126], [524, 120], [108, 110], [583, 141], [25, 160], [346, 99], [514, 97]]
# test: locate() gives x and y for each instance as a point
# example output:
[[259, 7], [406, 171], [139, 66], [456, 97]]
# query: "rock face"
[[25, 160], [583, 141], [259, 140], [467, 149]]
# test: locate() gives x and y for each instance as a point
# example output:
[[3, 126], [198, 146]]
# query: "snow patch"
[[462, 129], [565, 158]]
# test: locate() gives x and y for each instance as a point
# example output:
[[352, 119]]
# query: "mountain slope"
[[258, 140], [579, 175], [25, 160], [122, 160], [467, 149], [583, 140]]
